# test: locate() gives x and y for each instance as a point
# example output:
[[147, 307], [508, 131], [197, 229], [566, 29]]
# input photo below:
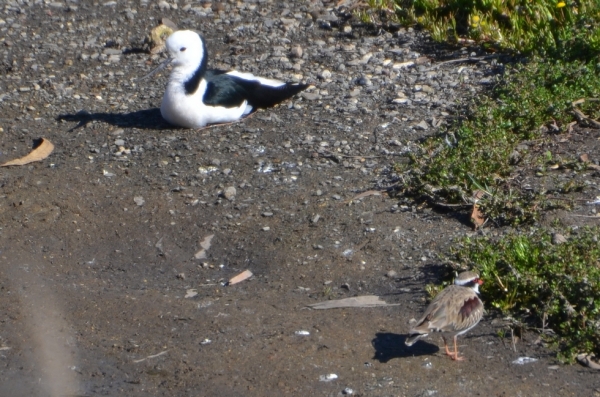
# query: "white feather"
[[251, 77], [189, 111]]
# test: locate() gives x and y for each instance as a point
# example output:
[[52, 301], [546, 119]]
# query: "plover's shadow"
[[143, 119], [388, 346]]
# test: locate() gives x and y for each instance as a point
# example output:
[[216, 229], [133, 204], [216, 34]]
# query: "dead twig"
[[152, 356], [365, 194], [330, 154], [512, 337], [470, 59], [582, 118]]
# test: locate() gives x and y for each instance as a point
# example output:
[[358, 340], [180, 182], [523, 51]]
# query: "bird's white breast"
[[188, 110]]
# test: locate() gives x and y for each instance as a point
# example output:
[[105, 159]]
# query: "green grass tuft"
[[554, 287], [477, 154], [563, 29]]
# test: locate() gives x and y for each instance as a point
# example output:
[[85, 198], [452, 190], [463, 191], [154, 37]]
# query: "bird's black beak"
[[157, 69]]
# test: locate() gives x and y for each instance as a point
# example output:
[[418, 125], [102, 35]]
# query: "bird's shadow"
[[142, 119], [388, 346]]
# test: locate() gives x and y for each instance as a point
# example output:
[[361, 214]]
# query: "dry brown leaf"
[[159, 35], [593, 166], [365, 194], [477, 217], [39, 152], [477, 195], [589, 360], [245, 275], [583, 118], [584, 158]]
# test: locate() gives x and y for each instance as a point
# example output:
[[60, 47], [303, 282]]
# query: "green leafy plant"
[[547, 27], [478, 152], [553, 287], [375, 9]]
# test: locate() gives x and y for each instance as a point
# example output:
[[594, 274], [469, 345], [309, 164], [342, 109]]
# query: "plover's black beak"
[[160, 67]]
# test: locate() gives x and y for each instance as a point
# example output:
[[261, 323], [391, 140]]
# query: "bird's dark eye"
[[182, 49]]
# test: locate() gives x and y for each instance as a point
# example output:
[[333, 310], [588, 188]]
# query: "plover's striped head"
[[468, 279]]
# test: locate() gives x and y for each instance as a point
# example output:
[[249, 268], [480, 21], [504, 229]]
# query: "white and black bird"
[[197, 96], [454, 311]]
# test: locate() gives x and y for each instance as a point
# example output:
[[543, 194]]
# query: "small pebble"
[[229, 193], [558, 238], [422, 125], [297, 52], [524, 360], [328, 377], [324, 75]]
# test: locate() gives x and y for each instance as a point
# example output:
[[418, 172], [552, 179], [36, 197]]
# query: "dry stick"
[[566, 199], [481, 58], [365, 194], [582, 117], [512, 337], [452, 205], [362, 245], [330, 154], [544, 318], [327, 153], [152, 356]]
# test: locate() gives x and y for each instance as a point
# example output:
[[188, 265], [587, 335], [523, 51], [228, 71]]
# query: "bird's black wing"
[[225, 90], [231, 91]]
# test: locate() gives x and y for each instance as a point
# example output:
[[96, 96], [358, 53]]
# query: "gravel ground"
[[105, 288]]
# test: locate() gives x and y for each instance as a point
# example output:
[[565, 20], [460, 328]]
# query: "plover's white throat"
[[197, 96], [453, 312]]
